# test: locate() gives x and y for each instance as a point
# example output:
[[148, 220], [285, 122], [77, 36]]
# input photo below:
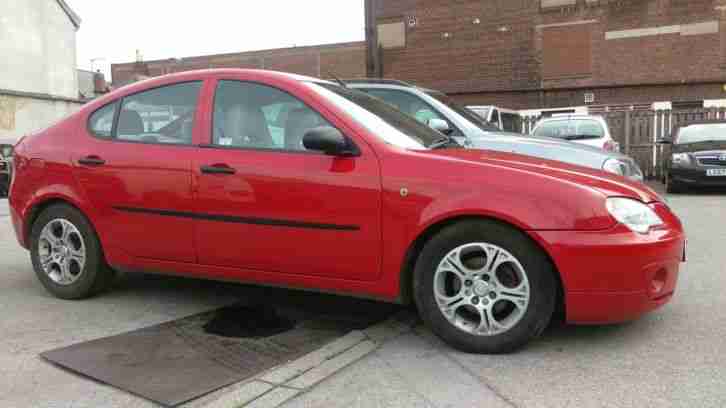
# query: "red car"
[[256, 176]]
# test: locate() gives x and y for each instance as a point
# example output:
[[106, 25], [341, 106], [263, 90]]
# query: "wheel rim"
[[481, 289], [61, 251]]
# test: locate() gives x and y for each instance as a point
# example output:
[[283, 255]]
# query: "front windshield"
[[380, 118], [467, 113], [571, 129], [713, 132]]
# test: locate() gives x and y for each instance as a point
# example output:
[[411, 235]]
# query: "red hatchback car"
[[265, 177]]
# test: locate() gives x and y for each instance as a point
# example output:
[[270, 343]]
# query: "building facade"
[[528, 54], [342, 60], [39, 84]]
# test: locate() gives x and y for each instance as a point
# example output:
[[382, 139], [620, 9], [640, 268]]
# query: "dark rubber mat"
[[175, 362]]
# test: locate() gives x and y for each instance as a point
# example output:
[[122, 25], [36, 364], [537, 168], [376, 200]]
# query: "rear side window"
[[573, 129], [101, 122], [162, 116]]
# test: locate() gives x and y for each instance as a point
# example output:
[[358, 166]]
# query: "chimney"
[[99, 83]]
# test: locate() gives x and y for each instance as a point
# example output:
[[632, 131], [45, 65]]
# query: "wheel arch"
[[414, 249], [37, 208]]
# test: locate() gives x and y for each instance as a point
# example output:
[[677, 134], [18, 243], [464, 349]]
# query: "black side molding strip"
[[239, 220]]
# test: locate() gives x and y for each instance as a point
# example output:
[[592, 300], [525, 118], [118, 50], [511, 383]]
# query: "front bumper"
[[696, 176], [616, 275]]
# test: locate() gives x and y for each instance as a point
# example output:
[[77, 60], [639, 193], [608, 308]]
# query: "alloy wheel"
[[481, 289], [62, 251]]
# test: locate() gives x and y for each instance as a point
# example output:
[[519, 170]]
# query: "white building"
[[38, 78]]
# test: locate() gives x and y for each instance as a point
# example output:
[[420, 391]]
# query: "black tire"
[[95, 277], [537, 266], [673, 187]]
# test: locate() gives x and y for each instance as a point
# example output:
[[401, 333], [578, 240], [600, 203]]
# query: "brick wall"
[[344, 60], [518, 54]]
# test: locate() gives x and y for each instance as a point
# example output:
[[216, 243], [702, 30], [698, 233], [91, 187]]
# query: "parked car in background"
[[6, 166], [698, 156], [507, 120], [590, 130], [355, 198], [443, 114]]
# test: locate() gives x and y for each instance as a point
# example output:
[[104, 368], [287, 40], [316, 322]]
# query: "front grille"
[[711, 161]]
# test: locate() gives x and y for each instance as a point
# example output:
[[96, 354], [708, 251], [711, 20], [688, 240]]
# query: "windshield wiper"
[[581, 137], [446, 141]]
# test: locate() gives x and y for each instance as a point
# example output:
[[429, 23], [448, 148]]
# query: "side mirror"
[[330, 141], [665, 141], [439, 125]]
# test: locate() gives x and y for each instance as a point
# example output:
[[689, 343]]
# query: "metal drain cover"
[[175, 362]]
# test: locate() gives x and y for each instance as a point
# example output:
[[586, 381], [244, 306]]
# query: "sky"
[[112, 31]]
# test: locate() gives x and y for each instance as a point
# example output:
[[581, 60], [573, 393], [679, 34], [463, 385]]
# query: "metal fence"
[[638, 130]]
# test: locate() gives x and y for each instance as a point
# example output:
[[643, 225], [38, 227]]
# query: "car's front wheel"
[[66, 254], [484, 287], [672, 187]]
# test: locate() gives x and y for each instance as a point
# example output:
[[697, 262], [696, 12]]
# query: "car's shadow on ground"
[[142, 285], [558, 335]]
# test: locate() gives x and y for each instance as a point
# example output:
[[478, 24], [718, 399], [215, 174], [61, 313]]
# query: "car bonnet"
[[610, 185]]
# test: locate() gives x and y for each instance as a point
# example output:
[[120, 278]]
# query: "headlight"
[[616, 166], [681, 159], [633, 214]]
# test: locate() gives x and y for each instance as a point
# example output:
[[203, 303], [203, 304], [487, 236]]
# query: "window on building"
[[101, 121], [255, 116], [567, 51], [163, 115], [392, 35]]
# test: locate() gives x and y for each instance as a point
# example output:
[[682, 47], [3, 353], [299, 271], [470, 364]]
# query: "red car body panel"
[[365, 213]]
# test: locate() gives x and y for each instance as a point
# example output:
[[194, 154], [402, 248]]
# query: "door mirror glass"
[[439, 125], [328, 140]]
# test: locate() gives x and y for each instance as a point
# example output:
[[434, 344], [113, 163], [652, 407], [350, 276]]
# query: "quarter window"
[[101, 121], [255, 116], [162, 115]]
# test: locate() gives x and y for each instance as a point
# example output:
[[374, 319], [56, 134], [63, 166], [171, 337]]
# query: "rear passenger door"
[[136, 172]]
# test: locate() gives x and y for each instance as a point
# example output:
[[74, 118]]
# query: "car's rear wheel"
[[67, 255], [484, 287]]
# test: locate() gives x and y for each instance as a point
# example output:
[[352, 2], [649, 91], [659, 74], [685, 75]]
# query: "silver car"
[[469, 129]]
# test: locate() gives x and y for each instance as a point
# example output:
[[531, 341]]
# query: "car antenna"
[[338, 80]]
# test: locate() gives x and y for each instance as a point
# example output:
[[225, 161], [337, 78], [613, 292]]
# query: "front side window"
[[495, 117], [571, 129], [511, 122], [712, 132], [464, 112], [163, 115], [255, 116], [408, 104], [101, 121]]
